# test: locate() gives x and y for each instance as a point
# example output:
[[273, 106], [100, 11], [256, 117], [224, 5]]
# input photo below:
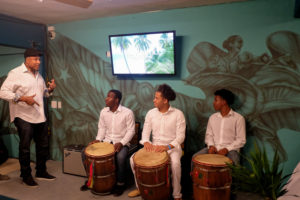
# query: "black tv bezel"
[[143, 74]]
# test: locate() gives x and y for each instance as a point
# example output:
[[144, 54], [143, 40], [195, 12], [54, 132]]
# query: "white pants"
[[175, 155]]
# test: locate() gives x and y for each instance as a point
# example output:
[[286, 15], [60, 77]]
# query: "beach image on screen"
[[151, 53]]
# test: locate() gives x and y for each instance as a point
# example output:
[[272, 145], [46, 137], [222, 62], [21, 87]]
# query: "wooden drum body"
[[101, 157], [152, 174], [211, 177]]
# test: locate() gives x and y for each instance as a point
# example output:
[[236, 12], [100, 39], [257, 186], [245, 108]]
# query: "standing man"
[[24, 89], [225, 132], [117, 126], [167, 125]]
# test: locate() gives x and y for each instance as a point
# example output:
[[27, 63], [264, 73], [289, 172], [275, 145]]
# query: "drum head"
[[150, 159], [211, 160], [99, 149]]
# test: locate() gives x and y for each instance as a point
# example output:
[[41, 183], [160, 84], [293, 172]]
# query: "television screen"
[[150, 53]]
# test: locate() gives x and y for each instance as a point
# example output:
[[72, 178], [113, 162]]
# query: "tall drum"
[[211, 177], [100, 160], [152, 174]]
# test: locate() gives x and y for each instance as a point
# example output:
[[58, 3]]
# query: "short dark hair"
[[117, 93], [227, 95], [167, 92]]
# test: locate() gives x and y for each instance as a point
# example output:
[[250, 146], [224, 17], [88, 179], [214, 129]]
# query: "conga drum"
[[152, 174], [211, 177], [101, 167]]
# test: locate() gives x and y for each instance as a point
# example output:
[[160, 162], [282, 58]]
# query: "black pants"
[[39, 133]]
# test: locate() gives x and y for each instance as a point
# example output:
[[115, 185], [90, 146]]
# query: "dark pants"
[[39, 133], [121, 164], [120, 159]]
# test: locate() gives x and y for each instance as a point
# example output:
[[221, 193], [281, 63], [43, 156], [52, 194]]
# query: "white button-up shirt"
[[21, 82], [167, 128], [226, 132], [118, 126]]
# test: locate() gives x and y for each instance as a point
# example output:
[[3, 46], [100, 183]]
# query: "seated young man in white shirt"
[[117, 126], [167, 125], [225, 132]]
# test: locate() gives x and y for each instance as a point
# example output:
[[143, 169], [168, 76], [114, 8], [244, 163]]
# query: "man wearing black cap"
[[24, 89]]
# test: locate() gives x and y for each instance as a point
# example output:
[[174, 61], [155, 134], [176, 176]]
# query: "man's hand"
[[29, 100], [148, 146], [92, 142], [160, 148], [51, 85], [118, 146], [223, 151], [212, 150]]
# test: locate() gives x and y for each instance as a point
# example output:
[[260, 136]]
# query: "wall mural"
[[83, 80], [267, 89], [267, 86]]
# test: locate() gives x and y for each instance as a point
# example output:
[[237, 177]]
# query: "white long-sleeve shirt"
[[226, 132], [118, 126], [21, 82], [167, 128]]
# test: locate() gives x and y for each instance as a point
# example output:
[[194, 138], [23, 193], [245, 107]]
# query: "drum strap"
[[91, 177]]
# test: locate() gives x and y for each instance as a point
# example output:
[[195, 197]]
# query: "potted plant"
[[263, 177]]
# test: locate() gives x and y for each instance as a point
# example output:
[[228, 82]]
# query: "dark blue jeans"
[[120, 159], [39, 133]]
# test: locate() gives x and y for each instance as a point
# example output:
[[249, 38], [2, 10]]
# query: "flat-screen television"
[[151, 53]]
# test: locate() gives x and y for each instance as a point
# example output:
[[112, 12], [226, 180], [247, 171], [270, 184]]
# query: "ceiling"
[[55, 11]]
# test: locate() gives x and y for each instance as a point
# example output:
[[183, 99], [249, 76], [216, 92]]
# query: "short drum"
[[101, 167], [152, 174], [211, 177]]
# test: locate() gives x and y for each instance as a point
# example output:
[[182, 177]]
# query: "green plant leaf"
[[263, 176]]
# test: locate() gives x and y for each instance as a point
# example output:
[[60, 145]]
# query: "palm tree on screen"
[[142, 43], [163, 61], [123, 43]]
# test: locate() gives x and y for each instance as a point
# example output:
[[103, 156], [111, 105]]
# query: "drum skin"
[[101, 155], [211, 177], [152, 177]]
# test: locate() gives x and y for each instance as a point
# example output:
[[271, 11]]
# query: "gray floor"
[[65, 187]]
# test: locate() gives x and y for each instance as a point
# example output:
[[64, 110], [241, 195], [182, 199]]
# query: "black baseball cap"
[[32, 52]]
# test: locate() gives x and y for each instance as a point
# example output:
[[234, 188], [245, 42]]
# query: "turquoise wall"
[[258, 23], [253, 20], [261, 66], [263, 72]]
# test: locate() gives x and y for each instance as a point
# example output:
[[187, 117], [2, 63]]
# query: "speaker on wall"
[[297, 8]]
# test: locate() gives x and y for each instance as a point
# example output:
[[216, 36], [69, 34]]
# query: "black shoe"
[[118, 190], [84, 187], [29, 181], [45, 176]]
